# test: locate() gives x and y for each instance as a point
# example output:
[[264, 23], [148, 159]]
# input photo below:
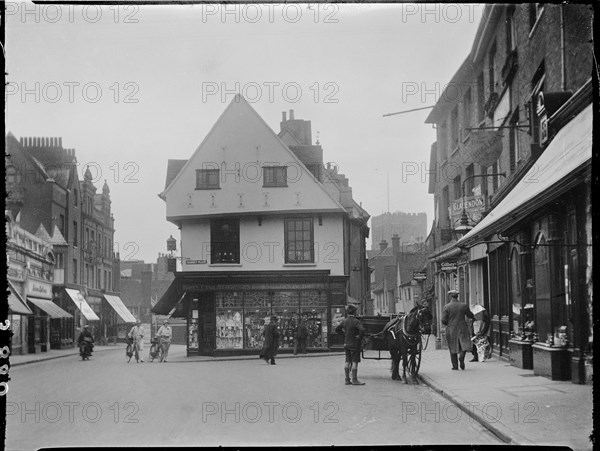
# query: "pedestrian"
[[137, 333], [301, 335], [271, 343], [353, 332], [164, 336], [479, 330], [457, 331]]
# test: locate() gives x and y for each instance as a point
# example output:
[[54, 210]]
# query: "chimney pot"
[[291, 115], [383, 245], [60, 142], [21, 141], [283, 117]]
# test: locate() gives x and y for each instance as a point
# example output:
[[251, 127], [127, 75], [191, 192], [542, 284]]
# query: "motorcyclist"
[[86, 337]]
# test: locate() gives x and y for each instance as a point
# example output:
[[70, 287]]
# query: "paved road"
[[107, 402]]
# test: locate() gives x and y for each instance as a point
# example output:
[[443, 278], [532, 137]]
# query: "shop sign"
[[448, 266], [16, 273], [39, 289], [195, 262], [474, 206], [419, 275], [484, 146]]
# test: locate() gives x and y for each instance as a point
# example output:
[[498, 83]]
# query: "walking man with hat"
[[457, 332], [164, 336], [353, 332]]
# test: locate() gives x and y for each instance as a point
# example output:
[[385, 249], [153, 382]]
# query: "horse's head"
[[425, 318]]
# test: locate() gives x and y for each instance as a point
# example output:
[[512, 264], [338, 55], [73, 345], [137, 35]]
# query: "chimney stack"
[[383, 245], [291, 115], [396, 244], [283, 116]]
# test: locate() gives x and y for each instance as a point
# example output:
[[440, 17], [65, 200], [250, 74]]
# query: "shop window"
[[207, 179], [229, 332], [225, 240], [274, 176], [543, 310], [299, 240]]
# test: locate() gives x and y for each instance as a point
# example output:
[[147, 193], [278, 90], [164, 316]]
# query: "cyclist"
[[137, 333], [164, 336]]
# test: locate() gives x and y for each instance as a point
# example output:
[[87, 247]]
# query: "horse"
[[404, 341]]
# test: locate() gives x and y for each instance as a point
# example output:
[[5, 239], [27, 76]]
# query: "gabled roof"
[[229, 112], [43, 234], [57, 238], [173, 168], [289, 138]]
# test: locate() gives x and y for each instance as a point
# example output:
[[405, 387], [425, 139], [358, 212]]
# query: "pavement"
[[515, 405]]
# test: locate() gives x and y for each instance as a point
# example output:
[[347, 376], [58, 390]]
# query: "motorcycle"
[[85, 348]]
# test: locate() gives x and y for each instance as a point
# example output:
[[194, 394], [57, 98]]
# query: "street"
[[300, 401]]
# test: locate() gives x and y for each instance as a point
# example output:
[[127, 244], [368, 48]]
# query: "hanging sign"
[[419, 275], [484, 146], [448, 266]]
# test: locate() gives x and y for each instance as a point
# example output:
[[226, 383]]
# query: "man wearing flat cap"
[[457, 332], [164, 335]]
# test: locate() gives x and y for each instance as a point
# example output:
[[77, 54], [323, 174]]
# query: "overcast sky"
[[131, 86]]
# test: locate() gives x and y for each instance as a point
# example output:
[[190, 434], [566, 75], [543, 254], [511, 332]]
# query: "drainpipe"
[[562, 49]]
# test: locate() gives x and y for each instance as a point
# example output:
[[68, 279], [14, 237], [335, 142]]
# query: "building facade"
[[266, 229], [46, 190], [512, 161]]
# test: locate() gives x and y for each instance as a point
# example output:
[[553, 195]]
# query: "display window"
[[256, 314], [316, 322], [229, 329], [285, 308]]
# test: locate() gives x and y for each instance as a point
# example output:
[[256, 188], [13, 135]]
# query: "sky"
[[129, 87]]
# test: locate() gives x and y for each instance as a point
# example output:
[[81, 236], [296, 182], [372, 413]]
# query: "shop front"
[[114, 316], [227, 314], [46, 315], [18, 314]]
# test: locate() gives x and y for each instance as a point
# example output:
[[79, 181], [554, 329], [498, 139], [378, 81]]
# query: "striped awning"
[[53, 310], [82, 304], [16, 304], [117, 304]]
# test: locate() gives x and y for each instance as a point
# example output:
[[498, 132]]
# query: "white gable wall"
[[240, 144], [262, 247]]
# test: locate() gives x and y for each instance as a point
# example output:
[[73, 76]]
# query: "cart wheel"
[[414, 362]]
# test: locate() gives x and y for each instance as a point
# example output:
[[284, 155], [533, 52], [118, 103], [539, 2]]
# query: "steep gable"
[[239, 145]]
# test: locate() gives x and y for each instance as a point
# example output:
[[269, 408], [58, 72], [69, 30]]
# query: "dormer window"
[[207, 179], [274, 176]]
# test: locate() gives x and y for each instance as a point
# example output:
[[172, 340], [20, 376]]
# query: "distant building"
[[410, 227]]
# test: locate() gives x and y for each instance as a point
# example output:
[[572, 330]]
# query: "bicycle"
[[157, 350], [131, 350]]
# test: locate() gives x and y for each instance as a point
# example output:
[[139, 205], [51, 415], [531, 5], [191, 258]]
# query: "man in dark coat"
[[353, 332], [457, 332], [271, 344], [300, 336]]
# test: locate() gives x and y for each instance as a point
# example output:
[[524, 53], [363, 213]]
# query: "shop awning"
[[53, 310], [82, 304], [555, 172], [117, 304], [16, 304], [168, 300]]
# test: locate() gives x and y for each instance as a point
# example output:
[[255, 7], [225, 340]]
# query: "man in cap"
[[137, 333], [164, 336], [353, 332], [457, 332]]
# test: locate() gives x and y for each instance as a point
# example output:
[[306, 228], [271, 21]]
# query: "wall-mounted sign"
[[39, 289], [195, 262], [448, 266], [419, 275]]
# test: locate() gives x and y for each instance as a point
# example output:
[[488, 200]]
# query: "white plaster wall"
[[262, 247]]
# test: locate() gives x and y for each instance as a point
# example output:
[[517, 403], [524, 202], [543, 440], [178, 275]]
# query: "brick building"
[[410, 227], [512, 227]]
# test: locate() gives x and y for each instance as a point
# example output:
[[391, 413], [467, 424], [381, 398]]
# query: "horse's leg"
[[395, 363], [404, 362]]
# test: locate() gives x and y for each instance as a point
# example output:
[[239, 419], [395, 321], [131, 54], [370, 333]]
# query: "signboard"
[[419, 275], [484, 146], [39, 289], [195, 262], [448, 266], [474, 206]]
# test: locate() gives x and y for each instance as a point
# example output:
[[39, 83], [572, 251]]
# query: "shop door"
[[31, 334], [207, 324]]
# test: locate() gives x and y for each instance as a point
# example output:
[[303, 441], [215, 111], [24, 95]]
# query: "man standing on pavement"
[[271, 344], [301, 336], [353, 332], [164, 335], [457, 332], [137, 333]]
